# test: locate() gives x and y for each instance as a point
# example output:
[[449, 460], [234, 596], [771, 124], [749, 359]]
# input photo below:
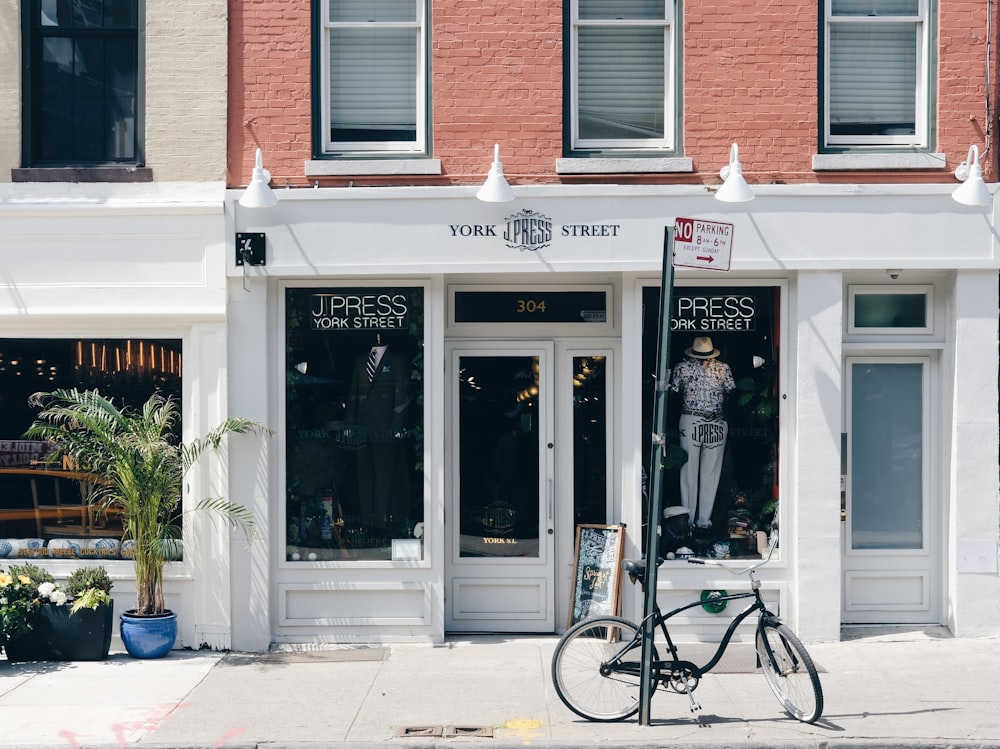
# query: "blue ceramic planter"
[[148, 636]]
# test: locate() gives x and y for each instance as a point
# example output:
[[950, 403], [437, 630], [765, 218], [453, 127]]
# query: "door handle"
[[549, 502]]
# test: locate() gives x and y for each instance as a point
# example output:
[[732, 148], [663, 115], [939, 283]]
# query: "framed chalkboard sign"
[[597, 572]]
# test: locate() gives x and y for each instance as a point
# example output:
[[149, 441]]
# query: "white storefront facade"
[[860, 324], [120, 288]]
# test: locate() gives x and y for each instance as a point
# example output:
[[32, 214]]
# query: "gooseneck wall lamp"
[[734, 188], [973, 190], [496, 189], [258, 193]]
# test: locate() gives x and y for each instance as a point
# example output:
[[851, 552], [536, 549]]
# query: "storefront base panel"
[[358, 604]]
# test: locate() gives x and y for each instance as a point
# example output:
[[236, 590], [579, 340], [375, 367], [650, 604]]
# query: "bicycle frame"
[[596, 668], [669, 670]]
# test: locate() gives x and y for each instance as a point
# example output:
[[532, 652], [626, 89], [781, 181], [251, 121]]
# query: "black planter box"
[[61, 636]]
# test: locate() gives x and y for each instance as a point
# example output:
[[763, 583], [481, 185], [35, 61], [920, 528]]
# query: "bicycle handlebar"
[[767, 558]]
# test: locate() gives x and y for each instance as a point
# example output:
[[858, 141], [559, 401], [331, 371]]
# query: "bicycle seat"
[[636, 568]]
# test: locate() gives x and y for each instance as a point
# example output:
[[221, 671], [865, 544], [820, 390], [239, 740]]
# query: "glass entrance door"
[[890, 543], [500, 520]]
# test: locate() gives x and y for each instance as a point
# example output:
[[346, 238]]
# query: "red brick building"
[[857, 309]]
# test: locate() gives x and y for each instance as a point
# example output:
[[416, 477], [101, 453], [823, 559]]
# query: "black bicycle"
[[596, 666]]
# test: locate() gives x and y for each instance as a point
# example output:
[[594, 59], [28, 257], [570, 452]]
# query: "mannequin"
[[376, 401], [703, 382]]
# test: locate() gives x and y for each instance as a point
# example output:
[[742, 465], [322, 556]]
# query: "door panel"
[[500, 519], [891, 563]]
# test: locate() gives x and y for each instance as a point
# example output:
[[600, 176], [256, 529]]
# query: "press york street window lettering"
[[375, 311], [714, 313]]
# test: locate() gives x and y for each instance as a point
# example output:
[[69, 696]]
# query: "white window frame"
[[669, 82], [419, 144], [921, 23], [856, 290]]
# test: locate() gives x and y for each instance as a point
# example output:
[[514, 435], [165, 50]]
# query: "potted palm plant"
[[139, 464]]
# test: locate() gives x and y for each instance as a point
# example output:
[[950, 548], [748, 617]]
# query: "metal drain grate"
[[448, 732], [462, 731], [403, 732]]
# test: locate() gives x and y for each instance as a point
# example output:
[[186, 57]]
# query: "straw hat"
[[702, 349]]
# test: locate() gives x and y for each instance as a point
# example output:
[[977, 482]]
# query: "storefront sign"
[[715, 312], [22, 453], [535, 306], [361, 311], [532, 231], [597, 571]]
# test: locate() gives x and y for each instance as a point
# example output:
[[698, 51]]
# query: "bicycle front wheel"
[[596, 668], [789, 671]]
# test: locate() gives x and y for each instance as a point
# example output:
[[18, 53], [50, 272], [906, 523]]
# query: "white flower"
[[50, 592]]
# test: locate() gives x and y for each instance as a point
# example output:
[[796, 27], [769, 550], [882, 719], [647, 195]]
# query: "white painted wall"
[[815, 405], [973, 583], [808, 237]]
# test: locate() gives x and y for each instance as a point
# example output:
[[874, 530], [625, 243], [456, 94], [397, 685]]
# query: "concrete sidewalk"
[[905, 689]]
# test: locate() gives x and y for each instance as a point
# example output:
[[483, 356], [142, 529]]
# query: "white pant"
[[705, 443]]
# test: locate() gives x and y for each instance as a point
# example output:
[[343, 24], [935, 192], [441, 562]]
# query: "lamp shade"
[[496, 189], [734, 188], [258, 193], [973, 190]]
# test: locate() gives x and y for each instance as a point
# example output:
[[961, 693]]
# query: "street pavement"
[[916, 688]]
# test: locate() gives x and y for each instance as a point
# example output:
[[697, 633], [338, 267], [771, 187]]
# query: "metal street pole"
[[657, 457]]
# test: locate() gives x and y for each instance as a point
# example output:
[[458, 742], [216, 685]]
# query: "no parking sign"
[[702, 244]]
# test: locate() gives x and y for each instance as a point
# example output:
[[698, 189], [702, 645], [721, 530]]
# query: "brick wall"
[[10, 88], [497, 72], [186, 89], [185, 83]]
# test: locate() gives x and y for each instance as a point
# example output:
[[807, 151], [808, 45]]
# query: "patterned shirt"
[[704, 384]]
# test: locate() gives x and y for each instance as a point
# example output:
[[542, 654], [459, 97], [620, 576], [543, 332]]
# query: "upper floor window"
[[877, 69], [372, 60], [622, 71], [81, 83]]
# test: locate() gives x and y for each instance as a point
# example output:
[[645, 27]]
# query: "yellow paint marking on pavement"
[[525, 728]]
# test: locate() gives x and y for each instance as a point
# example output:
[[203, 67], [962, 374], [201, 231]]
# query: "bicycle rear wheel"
[[789, 671], [596, 668]]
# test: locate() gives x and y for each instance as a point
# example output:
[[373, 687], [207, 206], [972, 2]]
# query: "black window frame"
[[75, 169]]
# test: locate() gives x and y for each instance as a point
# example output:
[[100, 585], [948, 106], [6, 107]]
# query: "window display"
[[44, 509], [354, 423], [720, 486]]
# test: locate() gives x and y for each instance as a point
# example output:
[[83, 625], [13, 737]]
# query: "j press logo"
[[528, 230]]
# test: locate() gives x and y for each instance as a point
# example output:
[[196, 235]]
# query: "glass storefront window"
[[890, 309], [736, 439], [354, 419], [590, 440], [43, 508]]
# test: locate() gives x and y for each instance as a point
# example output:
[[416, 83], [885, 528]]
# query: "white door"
[[500, 516], [891, 553]]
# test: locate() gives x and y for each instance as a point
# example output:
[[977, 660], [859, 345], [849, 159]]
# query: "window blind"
[[372, 79], [621, 83], [873, 78]]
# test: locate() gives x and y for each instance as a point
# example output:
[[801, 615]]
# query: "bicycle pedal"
[[695, 707]]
